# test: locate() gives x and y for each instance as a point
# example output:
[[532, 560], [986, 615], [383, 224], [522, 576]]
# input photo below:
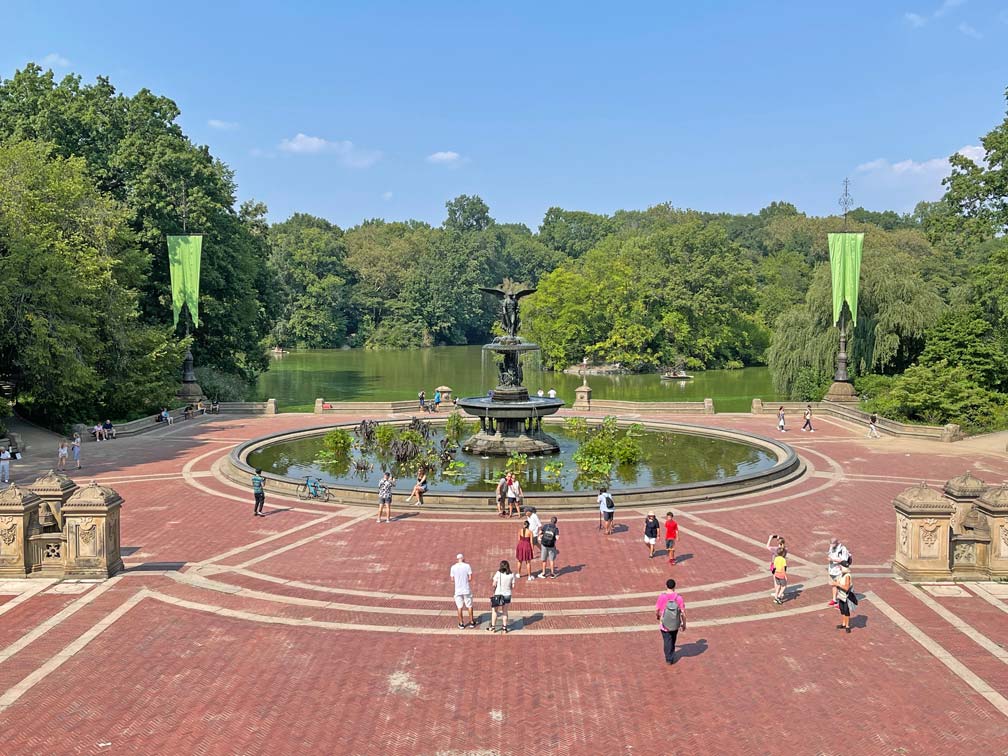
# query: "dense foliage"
[[91, 182]]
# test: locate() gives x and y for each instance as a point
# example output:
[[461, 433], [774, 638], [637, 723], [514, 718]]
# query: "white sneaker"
[[531, 578]]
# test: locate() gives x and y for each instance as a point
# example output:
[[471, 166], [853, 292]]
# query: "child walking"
[[671, 534]]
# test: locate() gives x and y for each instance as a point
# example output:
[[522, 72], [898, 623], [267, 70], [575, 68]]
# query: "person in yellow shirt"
[[780, 574]]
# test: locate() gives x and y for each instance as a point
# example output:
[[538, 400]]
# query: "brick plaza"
[[318, 630]]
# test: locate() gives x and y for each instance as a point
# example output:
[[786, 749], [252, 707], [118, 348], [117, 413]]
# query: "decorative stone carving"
[[53, 488], [965, 553], [993, 506], [91, 518], [18, 508], [922, 534]]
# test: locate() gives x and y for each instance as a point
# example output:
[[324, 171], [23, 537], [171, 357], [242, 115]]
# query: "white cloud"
[[446, 157], [901, 185], [55, 60], [347, 152], [969, 31], [214, 123], [915, 19], [386, 195], [948, 5]]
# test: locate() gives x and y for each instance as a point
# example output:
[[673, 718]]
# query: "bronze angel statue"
[[510, 292]]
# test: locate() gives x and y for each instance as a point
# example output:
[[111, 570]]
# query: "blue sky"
[[354, 111]]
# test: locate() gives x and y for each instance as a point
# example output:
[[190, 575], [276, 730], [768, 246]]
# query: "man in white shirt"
[[461, 574], [5, 458], [838, 557], [535, 524], [607, 509], [551, 393]]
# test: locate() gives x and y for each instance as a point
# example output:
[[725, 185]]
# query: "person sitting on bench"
[[108, 430], [215, 407], [187, 413]]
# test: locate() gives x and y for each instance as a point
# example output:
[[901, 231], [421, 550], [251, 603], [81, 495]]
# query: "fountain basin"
[[510, 425]]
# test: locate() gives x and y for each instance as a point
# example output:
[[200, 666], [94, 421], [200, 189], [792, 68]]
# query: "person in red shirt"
[[671, 534]]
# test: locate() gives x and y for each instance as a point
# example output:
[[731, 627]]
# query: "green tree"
[[963, 339], [72, 339], [573, 232], [467, 213]]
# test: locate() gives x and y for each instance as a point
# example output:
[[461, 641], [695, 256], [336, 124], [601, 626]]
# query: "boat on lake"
[[676, 375]]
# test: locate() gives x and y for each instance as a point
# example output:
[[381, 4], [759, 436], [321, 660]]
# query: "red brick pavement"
[[245, 664]]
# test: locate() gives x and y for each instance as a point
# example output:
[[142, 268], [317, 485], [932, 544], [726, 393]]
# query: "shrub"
[[221, 386]]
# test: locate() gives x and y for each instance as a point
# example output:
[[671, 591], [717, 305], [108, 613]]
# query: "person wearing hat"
[[838, 557], [843, 586], [650, 532], [461, 573]]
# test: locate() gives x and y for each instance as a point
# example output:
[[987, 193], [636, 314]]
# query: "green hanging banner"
[[184, 262], [845, 265]]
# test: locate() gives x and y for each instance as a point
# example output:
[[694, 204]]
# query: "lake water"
[[298, 377]]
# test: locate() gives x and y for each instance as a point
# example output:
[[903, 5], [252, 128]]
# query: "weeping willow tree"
[[895, 308]]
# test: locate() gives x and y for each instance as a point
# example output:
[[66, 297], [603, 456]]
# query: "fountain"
[[510, 420]]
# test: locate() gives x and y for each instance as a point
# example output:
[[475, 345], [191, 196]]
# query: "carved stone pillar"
[[91, 517], [922, 534], [963, 490], [18, 516], [994, 506], [582, 397], [53, 488]]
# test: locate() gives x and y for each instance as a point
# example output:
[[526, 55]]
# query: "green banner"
[[184, 262], [845, 264]]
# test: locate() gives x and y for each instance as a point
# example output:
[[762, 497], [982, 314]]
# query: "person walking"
[[808, 419], [650, 533], [837, 558], [772, 548], [461, 573], [422, 398], [607, 507], [780, 574], [844, 587], [437, 400], [548, 547], [873, 426], [61, 455], [670, 611], [258, 492], [75, 446], [671, 536], [780, 420], [420, 487], [523, 552], [5, 458], [503, 583], [385, 486]]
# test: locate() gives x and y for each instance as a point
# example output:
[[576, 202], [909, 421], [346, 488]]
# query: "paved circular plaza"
[[318, 630]]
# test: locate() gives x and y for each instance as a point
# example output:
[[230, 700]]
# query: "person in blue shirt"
[[259, 491]]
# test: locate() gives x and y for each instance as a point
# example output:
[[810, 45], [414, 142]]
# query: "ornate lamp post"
[[845, 266]]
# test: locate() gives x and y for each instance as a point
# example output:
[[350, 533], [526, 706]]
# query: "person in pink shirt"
[[670, 611]]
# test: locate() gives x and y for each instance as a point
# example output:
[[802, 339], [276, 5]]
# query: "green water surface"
[[298, 377]]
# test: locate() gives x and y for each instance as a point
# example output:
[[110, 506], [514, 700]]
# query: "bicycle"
[[312, 488]]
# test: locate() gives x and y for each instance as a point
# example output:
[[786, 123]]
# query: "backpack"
[[671, 618], [548, 538], [849, 560], [610, 504]]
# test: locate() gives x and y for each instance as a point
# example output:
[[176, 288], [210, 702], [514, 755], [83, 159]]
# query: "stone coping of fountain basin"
[[789, 467]]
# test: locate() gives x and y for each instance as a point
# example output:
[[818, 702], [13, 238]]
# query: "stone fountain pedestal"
[[510, 420]]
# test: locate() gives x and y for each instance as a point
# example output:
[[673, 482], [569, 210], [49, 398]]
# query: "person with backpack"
[[607, 508], [808, 420], [670, 611], [650, 533], [548, 547], [838, 557], [844, 587]]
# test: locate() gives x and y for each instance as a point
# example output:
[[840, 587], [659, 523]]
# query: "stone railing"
[[150, 422], [409, 406], [706, 407], [269, 407], [795, 410]]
